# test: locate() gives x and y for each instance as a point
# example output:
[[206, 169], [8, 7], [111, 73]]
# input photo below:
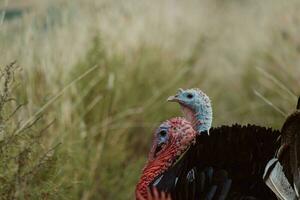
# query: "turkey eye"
[[190, 96], [163, 133]]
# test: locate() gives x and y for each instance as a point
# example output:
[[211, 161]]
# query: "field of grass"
[[102, 70]]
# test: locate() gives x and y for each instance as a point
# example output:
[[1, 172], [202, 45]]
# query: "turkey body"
[[238, 153]]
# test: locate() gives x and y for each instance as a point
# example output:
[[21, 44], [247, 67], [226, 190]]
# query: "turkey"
[[227, 163], [282, 172]]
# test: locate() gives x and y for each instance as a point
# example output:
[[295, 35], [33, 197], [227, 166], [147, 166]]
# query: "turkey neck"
[[154, 168], [200, 116]]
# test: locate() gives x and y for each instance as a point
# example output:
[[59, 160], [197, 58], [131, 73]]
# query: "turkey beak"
[[173, 98]]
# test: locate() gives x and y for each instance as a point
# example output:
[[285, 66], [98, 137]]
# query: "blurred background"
[[102, 69]]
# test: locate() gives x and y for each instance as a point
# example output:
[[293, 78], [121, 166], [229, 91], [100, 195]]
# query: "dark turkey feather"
[[227, 164], [288, 155], [286, 171]]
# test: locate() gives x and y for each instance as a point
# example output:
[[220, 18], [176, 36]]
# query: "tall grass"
[[103, 70]]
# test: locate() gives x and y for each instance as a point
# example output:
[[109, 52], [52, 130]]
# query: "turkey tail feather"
[[296, 156]]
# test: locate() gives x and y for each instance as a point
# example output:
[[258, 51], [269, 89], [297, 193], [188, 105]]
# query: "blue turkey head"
[[196, 107]]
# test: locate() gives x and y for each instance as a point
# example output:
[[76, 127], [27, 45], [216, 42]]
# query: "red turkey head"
[[171, 139]]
